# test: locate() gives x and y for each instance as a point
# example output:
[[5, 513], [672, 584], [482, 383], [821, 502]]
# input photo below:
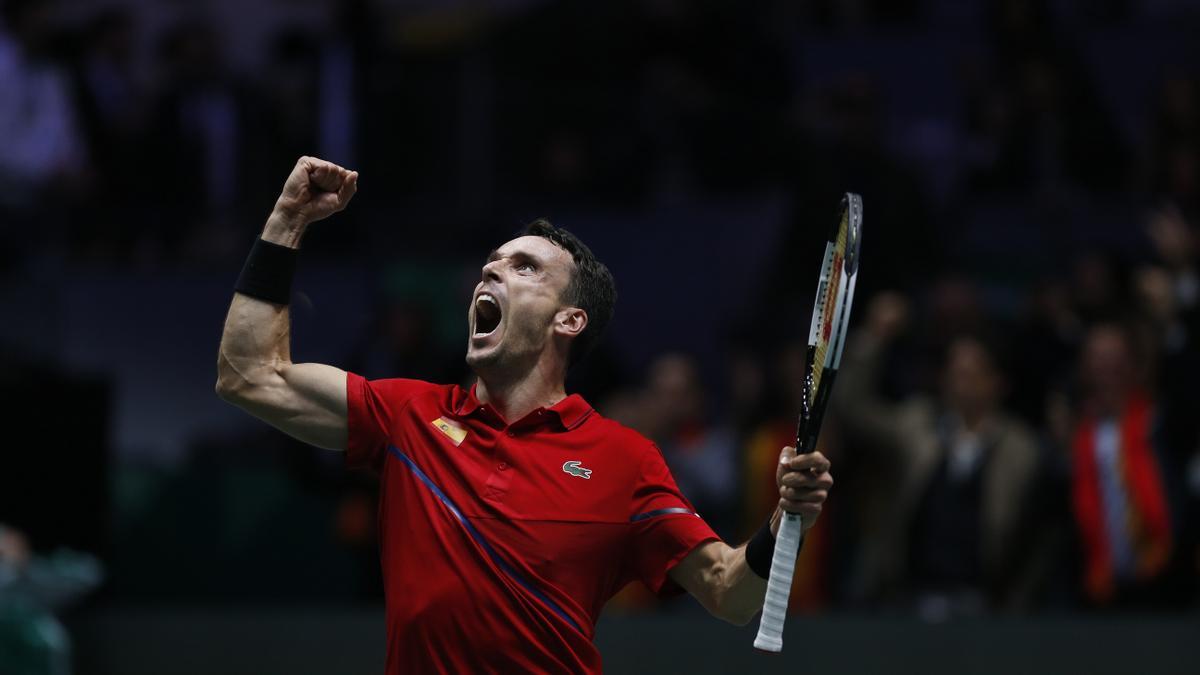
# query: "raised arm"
[[731, 582], [254, 365], [857, 399]]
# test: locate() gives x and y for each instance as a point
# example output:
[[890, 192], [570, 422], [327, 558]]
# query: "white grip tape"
[[779, 585]]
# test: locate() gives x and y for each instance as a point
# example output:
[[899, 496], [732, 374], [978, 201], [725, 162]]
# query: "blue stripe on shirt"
[[662, 512], [487, 548]]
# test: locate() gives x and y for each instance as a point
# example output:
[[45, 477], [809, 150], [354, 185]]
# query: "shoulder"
[[630, 444], [915, 425], [398, 391], [1016, 437], [396, 384]]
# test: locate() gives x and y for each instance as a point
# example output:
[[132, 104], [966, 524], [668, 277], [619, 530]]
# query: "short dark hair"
[[995, 353], [591, 287]]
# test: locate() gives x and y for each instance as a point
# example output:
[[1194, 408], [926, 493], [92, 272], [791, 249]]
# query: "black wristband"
[[761, 549], [267, 274]]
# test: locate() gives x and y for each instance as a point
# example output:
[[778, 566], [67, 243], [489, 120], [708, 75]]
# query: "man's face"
[[1106, 364], [512, 314], [969, 380], [675, 391]]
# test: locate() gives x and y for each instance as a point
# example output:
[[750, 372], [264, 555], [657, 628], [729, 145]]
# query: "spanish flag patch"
[[455, 433]]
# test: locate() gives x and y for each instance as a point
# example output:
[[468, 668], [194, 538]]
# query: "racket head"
[[830, 313]]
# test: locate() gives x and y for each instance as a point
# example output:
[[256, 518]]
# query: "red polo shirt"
[[500, 543]]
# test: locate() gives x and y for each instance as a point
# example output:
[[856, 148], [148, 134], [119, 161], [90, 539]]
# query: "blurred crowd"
[[1015, 426], [1049, 461]]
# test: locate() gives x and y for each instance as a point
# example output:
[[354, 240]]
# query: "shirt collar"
[[571, 411], [467, 403]]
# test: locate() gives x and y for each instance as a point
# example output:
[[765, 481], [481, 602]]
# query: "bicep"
[[306, 401]]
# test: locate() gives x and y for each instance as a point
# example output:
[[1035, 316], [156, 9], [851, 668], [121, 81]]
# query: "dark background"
[[1031, 180]]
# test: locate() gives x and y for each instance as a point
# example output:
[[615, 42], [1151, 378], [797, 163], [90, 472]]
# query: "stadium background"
[[1030, 172]]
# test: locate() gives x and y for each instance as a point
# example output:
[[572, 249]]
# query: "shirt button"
[[502, 466], [510, 433]]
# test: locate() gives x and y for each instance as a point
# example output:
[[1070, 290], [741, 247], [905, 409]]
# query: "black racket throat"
[[808, 430]]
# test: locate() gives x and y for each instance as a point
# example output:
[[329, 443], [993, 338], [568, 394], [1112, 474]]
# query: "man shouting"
[[510, 512]]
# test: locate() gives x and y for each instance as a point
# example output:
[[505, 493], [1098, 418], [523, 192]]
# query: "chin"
[[474, 361], [483, 359], [501, 359]]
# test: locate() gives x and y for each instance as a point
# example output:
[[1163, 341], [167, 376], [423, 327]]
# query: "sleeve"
[[857, 399], [665, 527], [372, 409]]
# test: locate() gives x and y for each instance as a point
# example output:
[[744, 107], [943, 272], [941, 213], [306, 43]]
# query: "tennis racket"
[[826, 336]]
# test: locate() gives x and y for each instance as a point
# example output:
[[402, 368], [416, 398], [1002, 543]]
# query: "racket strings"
[[828, 308]]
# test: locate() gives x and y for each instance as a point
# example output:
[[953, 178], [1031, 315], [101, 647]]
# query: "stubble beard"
[[510, 359]]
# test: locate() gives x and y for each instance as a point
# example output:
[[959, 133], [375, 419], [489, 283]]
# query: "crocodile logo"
[[573, 468]]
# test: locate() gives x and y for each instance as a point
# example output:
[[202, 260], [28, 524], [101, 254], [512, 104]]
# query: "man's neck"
[[516, 397], [973, 421]]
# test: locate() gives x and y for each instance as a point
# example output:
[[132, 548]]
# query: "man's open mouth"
[[487, 314]]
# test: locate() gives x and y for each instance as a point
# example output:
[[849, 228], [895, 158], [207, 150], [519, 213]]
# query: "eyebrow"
[[520, 255]]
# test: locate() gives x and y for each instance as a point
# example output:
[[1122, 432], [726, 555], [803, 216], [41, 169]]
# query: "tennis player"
[[510, 512]]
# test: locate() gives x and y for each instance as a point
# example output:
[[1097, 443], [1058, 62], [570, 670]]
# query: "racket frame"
[[813, 404]]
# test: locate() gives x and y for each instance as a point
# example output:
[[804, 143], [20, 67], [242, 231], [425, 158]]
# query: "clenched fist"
[[315, 189], [804, 482]]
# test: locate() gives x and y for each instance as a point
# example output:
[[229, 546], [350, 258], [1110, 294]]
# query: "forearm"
[[284, 230], [724, 582], [742, 588], [255, 346], [256, 342]]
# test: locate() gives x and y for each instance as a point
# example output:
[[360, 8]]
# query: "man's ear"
[[570, 321]]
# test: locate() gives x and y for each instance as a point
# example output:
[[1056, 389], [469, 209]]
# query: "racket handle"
[[779, 585]]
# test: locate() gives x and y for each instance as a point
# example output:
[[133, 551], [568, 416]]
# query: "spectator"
[[42, 148], [959, 531], [699, 451], [32, 587], [1123, 514]]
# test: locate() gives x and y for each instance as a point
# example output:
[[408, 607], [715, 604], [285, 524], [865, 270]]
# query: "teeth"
[[491, 300]]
